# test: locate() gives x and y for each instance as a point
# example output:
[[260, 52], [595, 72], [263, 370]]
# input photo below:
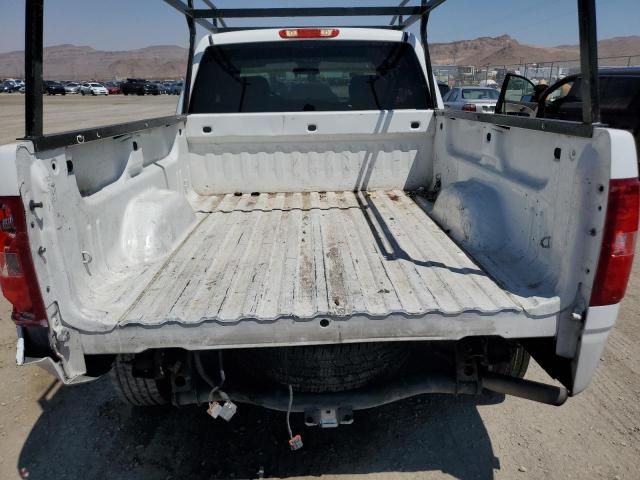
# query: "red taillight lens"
[[293, 33], [469, 107], [618, 243], [17, 275]]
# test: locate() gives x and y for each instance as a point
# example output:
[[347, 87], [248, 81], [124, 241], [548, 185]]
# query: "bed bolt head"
[[33, 205]]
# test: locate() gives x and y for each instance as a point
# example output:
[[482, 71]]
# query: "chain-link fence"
[[545, 72]]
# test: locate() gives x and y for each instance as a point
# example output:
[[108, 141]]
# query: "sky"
[[128, 24]]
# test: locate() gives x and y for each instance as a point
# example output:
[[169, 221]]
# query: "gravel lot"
[[84, 432], [71, 112]]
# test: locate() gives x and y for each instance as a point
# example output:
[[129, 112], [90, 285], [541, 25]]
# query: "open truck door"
[[517, 97]]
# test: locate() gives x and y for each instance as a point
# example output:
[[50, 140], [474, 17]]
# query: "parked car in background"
[[92, 88], [7, 87], [133, 86], [139, 86], [54, 88], [489, 84], [162, 89], [11, 84], [72, 87], [151, 89], [113, 88], [444, 89], [176, 88], [619, 99], [472, 99]]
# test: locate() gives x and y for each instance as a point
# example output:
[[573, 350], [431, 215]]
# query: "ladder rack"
[[214, 19]]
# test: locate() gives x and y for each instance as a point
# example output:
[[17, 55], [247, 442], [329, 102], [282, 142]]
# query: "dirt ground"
[[72, 112], [84, 432]]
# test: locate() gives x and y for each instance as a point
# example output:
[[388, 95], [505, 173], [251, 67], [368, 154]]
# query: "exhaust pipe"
[[375, 396], [519, 387]]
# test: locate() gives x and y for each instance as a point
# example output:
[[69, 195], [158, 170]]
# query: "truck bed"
[[264, 257]]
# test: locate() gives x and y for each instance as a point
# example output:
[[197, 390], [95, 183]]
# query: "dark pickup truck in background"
[[54, 88], [138, 86], [619, 99]]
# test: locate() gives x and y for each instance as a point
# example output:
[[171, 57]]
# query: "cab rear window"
[[307, 75]]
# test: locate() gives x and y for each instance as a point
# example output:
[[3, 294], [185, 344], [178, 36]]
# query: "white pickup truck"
[[313, 233]]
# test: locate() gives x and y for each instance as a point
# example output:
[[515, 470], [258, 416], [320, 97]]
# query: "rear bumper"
[[598, 326], [56, 370]]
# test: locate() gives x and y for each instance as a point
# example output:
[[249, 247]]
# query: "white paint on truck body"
[[253, 232], [9, 185]]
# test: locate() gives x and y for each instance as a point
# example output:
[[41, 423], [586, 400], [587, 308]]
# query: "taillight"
[[469, 107], [618, 243], [309, 33], [17, 274]]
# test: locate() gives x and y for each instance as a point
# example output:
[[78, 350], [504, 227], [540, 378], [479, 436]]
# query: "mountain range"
[[168, 61]]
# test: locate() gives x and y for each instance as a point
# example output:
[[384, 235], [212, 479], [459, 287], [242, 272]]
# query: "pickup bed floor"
[[305, 255]]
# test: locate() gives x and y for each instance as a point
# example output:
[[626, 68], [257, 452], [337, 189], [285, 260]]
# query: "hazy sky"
[[126, 24]]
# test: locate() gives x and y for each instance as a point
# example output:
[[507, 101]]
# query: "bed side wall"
[[110, 208], [529, 206]]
